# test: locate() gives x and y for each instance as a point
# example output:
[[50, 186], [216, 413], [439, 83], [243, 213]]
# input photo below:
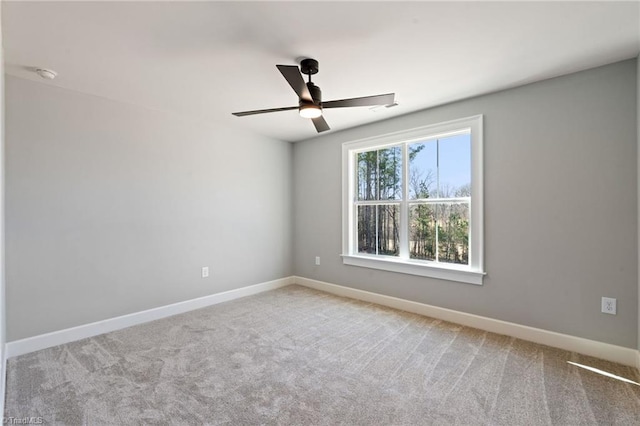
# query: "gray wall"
[[113, 209], [560, 207]]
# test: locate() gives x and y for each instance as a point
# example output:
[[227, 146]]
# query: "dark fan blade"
[[387, 99], [321, 124], [262, 111], [291, 73]]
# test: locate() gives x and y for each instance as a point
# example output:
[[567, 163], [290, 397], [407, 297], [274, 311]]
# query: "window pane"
[[422, 231], [367, 175], [390, 173], [454, 166], [423, 168], [380, 174], [378, 231], [453, 233]]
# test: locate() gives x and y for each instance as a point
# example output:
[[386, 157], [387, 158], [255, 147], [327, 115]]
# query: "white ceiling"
[[208, 59]]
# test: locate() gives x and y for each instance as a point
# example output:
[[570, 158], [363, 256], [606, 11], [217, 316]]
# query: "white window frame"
[[472, 273]]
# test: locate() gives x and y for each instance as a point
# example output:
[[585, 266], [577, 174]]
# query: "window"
[[413, 201]]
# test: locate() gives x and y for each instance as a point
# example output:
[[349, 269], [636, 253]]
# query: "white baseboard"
[[43, 341], [593, 348], [619, 354], [3, 380]]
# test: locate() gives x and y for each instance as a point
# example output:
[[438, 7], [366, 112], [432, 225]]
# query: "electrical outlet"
[[317, 260], [608, 305], [205, 271]]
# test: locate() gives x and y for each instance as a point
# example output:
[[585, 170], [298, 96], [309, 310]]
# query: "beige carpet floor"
[[303, 357]]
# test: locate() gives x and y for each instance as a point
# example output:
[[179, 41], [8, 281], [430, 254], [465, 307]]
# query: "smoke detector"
[[46, 74]]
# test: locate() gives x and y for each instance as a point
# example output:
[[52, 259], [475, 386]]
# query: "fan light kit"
[[310, 103], [46, 74], [310, 111]]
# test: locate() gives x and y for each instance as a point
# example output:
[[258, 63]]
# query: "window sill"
[[443, 272]]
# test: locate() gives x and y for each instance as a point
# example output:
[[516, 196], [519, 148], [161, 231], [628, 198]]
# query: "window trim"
[[472, 273]]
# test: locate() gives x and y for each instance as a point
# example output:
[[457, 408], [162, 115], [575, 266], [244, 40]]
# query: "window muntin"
[[415, 197]]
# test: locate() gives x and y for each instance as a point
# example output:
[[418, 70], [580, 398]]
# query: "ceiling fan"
[[310, 103]]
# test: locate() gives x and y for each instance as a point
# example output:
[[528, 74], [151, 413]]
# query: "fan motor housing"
[[316, 93]]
